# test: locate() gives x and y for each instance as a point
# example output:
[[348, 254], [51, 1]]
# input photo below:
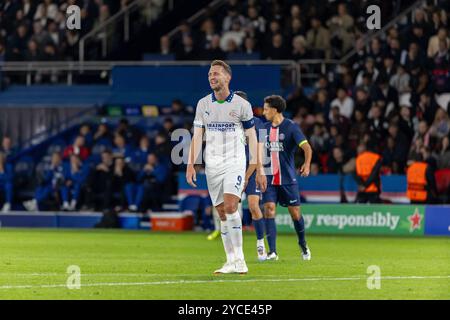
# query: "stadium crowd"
[[33, 30], [104, 168], [393, 94]]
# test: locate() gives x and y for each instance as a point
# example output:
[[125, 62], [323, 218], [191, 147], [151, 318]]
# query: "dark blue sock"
[[259, 228], [300, 229], [271, 231]]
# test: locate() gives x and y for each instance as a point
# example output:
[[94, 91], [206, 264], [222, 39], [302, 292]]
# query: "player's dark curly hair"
[[277, 102]]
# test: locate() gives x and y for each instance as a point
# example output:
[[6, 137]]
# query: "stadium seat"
[[442, 180]]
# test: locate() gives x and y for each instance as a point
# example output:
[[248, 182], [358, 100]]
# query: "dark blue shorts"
[[285, 195], [252, 189]]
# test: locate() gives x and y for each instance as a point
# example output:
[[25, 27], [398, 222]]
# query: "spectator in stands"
[[336, 161], [85, 131], [341, 26], [141, 153], [121, 148], [318, 138], [344, 103], [426, 108], [162, 147], [418, 36], [99, 185], [438, 20], [299, 51], [441, 124], [255, 24], [78, 148], [6, 182], [32, 53], [276, 50], [362, 100], [17, 44], [422, 133], [7, 149], [440, 66], [178, 108], [400, 80], [45, 11], [412, 59], [150, 184], [443, 156], [130, 133], [214, 51], [74, 178], [187, 50], [235, 35], [369, 69], [383, 94], [232, 17], [250, 47], [50, 184], [102, 135], [207, 32], [322, 105], [405, 123], [318, 40], [376, 52], [123, 184], [401, 148], [377, 124], [164, 46], [433, 43], [358, 129], [69, 45]]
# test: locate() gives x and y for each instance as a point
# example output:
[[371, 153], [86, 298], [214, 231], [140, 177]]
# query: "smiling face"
[[218, 78]]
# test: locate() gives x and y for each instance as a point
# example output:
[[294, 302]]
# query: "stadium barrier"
[[348, 219], [401, 220], [324, 214]]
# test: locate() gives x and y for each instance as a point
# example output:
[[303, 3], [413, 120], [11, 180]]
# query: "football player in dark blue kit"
[[282, 138], [254, 194]]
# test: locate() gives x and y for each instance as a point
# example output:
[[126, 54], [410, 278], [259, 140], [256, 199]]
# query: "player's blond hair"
[[223, 64]]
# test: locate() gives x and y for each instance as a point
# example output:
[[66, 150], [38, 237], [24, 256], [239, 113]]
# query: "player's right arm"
[[194, 153], [196, 145]]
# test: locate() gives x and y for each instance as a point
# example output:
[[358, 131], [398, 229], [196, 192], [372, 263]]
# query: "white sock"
[[234, 223], [216, 219], [241, 210], [260, 243], [227, 244]]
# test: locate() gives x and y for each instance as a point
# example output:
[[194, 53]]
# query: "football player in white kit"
[[225, 119]]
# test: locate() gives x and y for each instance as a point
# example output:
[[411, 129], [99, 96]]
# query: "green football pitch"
[[148, 265]]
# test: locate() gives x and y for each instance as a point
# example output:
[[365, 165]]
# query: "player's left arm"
[[250, 132], [306, 167], [302, 142]]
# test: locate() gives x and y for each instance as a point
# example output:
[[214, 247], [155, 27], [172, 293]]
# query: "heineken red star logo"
[[415, 220]]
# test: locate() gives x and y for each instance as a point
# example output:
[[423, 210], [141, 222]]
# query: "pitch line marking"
[[117, 284]]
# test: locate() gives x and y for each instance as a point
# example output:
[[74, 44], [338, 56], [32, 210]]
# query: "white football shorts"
[[229, 181]]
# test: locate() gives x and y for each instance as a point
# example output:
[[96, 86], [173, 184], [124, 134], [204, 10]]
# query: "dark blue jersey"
[[259, 125], [280, 144]]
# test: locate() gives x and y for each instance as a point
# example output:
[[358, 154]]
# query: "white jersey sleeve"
[[199, 112], [247, 115]]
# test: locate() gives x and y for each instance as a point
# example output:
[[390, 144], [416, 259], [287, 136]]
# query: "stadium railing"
[[70, 69], [102, 33]]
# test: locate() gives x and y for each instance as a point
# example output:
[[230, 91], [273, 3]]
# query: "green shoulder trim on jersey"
[[302, 143]]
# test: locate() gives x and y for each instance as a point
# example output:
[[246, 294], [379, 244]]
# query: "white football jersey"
[[224, 123]]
